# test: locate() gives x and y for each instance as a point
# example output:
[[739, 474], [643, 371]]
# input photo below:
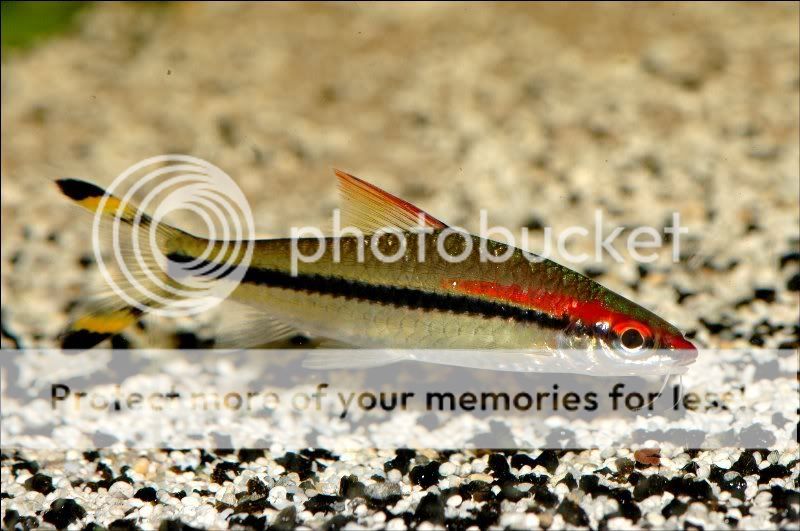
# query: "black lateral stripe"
[[401, 297]]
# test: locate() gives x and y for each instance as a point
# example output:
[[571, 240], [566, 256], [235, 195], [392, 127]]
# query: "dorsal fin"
[[369, 208]]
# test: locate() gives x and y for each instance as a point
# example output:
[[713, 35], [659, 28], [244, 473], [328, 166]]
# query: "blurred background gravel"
[[538, 113]]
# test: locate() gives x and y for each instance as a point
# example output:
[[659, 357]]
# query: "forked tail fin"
[[143, 287]]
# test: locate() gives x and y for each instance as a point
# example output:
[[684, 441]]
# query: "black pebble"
[[147, 494], [573, 514], [10, 519], [788, 258], [548, 459], [634, 478], [350, 487], [189, 340], [793, 284], [30, 466], [293, 462], [252, 506], [627, 507], [175, 525], [674, 508], [91, 456], [649, 486], [499, 466], [321, 503], [544, 497], [782, 500], [520, 460], [591, 485], [569, 481], [248, 522], [220, 474], [746, 464], [85, 261], [403, 457], [511, 493], [247, 455], [319, 453], [430, 509], [425, 475], [257, 487], [337, 522], [40, 483], [697, 490], [691, 467], [624, 466], [123, 524], [764, 294], [773, 471], [93, 526], [474, 489], [534, 223], [63, 512], [286, 519]]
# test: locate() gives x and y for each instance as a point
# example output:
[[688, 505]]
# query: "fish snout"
[[684, 350]]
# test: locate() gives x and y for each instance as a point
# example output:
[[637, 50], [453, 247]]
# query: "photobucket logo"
[[493, 244], [160, 269]]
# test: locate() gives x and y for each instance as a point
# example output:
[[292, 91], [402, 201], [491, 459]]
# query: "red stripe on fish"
[[554, 304]]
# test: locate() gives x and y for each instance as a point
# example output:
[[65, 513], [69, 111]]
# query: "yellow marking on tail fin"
[[92, 198], [110, 323]]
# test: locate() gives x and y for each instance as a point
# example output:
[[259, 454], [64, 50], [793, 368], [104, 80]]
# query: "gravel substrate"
[[214, 489], [541, 114]]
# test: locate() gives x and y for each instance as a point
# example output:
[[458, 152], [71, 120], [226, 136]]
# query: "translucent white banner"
[[142, 399]]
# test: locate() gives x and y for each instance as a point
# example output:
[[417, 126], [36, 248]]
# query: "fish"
[[443, 294]]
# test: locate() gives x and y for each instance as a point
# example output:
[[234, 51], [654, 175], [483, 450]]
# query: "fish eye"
[[631, 339]]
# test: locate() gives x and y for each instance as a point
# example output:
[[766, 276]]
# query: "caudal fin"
[[143, 288]]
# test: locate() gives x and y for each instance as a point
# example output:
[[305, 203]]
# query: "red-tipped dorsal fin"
[[368, 208]]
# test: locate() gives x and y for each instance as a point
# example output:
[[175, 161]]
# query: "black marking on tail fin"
[[82, 339], [79, 190]]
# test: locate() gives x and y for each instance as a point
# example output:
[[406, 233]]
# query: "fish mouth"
[[682, 350], [685, 357]]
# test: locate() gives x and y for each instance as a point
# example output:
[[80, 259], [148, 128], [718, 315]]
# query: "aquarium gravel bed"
[[540, 115], [401, 489]]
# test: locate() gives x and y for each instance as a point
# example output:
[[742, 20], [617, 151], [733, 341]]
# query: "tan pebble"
[[142, 466], [546, 520]]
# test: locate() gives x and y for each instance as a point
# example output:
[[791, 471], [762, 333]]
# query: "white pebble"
[[454, 501], [447, 469], [191, 501], [146, 510], [400, 507], [396, 524], [724, 463], [479, 466], [121, 489]]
